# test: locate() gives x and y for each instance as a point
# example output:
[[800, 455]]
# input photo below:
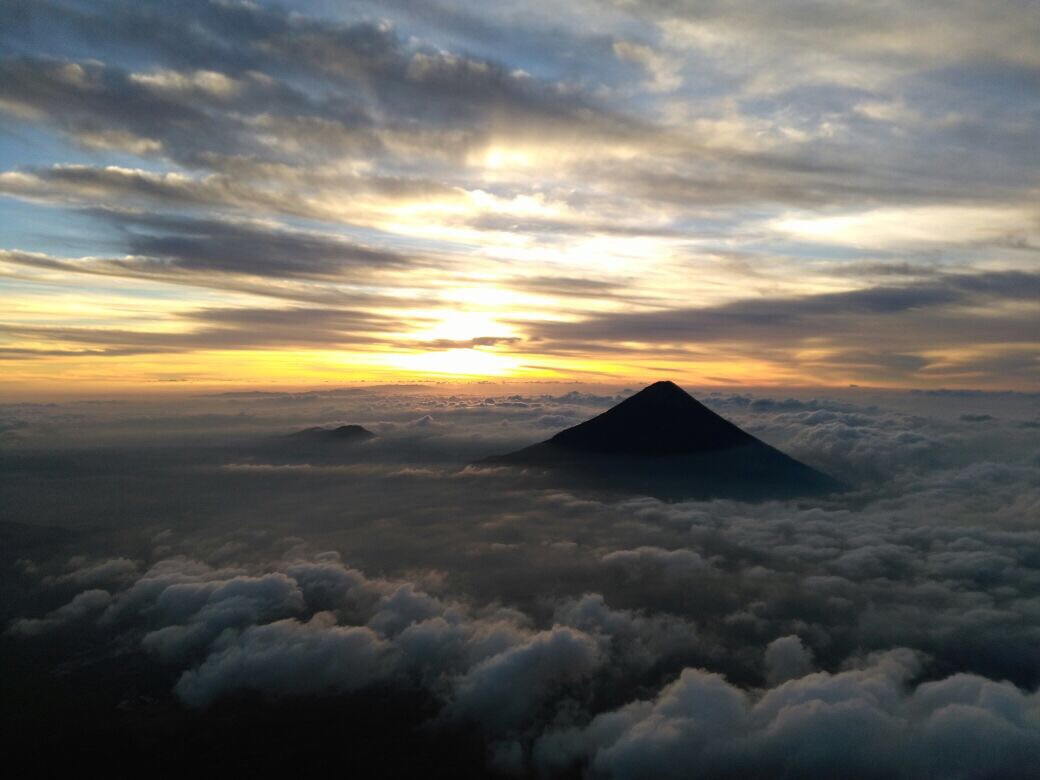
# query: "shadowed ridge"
[[663, 442], [661, 419]]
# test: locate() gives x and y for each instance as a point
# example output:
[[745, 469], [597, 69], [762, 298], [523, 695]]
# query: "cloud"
[[635, 638], [240, 185], [662, 74], [200, 245], [914, 320], [194, 614], [234, 328], [176, 247], [114, 572], [564, 632], [863, 721], [910, 226], [228, 52], [653, 561], [85, 605], [503, 691], [798, 317], [288, 657], [787, 659]]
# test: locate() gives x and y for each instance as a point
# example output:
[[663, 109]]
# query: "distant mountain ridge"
[[340, 433], [661, 441]]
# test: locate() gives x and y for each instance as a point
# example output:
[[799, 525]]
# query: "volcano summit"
[[663, 442]]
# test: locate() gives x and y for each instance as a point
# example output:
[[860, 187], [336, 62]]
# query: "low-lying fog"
[[164, 560]]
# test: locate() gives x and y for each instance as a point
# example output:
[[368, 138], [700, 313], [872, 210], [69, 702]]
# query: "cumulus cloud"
[[787, 658], [653, 561], [112, 573], [193, 614], [866, 721], [84, 606], [504, 691], [289, 657], [319, 627], [633, 637]]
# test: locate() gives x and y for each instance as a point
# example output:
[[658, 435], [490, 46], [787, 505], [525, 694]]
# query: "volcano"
[[663, 442]]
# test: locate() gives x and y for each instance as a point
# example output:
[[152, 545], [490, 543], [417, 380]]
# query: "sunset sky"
[[248, 194]]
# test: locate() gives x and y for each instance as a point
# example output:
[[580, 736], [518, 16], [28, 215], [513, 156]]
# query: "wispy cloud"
[[712, 174]]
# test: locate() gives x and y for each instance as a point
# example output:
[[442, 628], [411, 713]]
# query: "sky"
[[468, 226], [226, 194]]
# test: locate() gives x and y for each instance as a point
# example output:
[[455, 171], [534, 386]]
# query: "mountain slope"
[[663, 442], [662, 419]]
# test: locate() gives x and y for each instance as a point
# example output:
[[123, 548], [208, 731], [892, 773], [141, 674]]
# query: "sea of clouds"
[[891, 631]]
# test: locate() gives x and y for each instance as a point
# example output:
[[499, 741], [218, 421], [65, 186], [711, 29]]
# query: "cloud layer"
[[890, 632]]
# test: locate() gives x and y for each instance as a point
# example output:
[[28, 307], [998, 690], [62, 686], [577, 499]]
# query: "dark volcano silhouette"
[[663, 442], [344, 433]]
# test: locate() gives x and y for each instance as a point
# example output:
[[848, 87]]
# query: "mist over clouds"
[[622, 635]]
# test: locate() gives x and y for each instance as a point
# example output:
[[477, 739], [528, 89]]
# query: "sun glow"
[[456, 362], [462, 325]]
